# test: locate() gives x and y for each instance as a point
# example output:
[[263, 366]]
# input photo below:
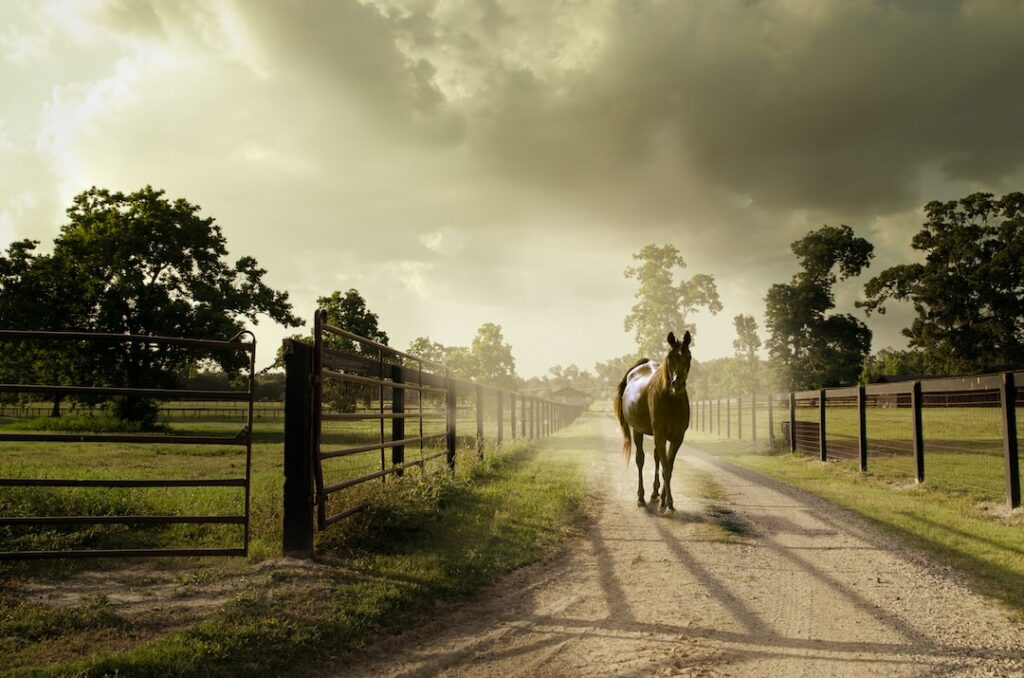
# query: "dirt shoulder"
[[749, 577]]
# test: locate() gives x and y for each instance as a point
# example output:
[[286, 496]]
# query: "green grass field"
[[426, 538]]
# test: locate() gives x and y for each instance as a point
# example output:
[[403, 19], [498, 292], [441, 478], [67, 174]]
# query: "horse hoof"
[[654, 495], [641, 503]]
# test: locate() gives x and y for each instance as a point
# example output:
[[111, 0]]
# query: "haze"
[[471, 162]]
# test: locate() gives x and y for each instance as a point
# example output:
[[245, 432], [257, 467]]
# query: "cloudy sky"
[[464, 162]]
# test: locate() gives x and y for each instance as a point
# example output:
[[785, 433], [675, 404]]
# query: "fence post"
[[862, 427], [753, 419], [297, 536], [501, 416], [718, 417], [397, 423], [479, 421], [771, 423], [739, 417], [523, 415], [451, 408], [822, 438], [1008, 399], [512, 413], [533, 417], [915, 403], [792, 421], [728, 418]]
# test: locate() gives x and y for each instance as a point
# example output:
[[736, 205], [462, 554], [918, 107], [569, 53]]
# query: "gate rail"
[[392, 374], [243, 439]]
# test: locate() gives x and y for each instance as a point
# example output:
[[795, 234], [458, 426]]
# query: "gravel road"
[[766, 581]]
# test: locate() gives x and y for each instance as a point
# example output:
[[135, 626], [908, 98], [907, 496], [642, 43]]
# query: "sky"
[[499, 161]]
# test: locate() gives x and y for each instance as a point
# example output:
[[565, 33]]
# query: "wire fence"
[[956, 435]]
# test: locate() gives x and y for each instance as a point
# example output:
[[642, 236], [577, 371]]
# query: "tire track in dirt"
[[804, 589]]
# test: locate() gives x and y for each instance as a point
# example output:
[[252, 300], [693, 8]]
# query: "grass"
[[426, 540], [958, 529]]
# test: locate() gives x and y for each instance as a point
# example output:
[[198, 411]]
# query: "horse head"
[[677, 364]]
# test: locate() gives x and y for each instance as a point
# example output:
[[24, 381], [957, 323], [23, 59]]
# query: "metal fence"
[[420, 415], [108, 479], [960, 433]]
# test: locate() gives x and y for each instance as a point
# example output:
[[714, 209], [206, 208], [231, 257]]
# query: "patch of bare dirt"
[[767, 581]]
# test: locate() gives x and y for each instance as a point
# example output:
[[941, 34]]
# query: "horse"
[[652, 399]]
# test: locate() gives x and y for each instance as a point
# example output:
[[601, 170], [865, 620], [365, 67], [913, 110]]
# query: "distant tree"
[[890, 362], [612, 370], [810, 347], [492, 357], [663, 305], [969, 292], [746, 344], [139, 263]]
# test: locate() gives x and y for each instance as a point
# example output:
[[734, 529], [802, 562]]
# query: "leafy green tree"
[[890, 362], [808, 346], [492, 357], [968, 292], [663, 305], [746, 344], [139, 263]]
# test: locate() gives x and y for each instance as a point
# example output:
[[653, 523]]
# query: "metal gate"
[[242, 439]]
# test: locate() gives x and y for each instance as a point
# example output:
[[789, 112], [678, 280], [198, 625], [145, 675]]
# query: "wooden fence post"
[[771, 423], [718, 417], [862, 427], [523, 415], [533, 417], [397, 423], [739, 417], [1008, 399], [753, 419], [297, 541], [915, 403], [728, 418], [512, 414], [451, 403], [822, 437], [792, 421], [479, 421], [501, 416]]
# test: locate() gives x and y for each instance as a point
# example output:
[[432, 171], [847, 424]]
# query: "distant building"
[[571, 396]]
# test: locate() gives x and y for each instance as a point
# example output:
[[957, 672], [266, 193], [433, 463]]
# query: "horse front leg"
[[657, 479], [638, 440], [670, 463], [660, 463]]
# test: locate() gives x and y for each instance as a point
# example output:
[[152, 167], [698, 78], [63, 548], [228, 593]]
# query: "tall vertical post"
[[480, 421], [297, 534], [397, 421], [523, 415], [718, 418], [753, 419], [452, 413], [739, 417], [501, 416], [792, 421], [771, 422], [822, 438], [915, 403], [862, 427], [512, 414], [533, 417], [1008, 398], [728, 418]]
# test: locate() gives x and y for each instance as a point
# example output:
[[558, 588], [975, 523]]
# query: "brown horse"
[[653, 400]]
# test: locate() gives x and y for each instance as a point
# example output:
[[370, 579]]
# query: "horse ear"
[[686, 338], [672, 339]]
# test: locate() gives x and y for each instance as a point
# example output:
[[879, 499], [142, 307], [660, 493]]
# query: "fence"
[[418, 418], [36, 485], [961, 433]]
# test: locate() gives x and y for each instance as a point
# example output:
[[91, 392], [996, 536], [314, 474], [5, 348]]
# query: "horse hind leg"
[[638, 440], [657, 480]]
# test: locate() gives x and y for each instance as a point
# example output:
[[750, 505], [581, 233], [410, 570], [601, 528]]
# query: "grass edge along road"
[[983, 545], [430, 541]]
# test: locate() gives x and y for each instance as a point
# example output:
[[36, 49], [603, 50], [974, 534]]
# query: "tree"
[[809, 347], [746, 345], [663, 306], [139, 263], [492, 357], [969, 292], [890, 362]]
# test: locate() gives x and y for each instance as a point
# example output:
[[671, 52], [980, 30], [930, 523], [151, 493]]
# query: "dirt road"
[[765, 581]]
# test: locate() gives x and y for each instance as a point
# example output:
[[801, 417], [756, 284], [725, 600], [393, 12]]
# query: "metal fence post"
[[479, 421], [1008, 398], [822, 438], [451, 408], [397, 422], [501, 416], [297, 541], [792, 421], [862, 427], [915, 403]]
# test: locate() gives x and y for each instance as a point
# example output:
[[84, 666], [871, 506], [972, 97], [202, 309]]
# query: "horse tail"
[[627, 440]]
